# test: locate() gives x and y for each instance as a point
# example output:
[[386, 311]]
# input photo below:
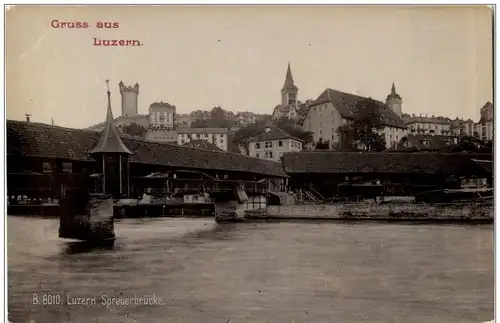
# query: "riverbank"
[[452, 212]]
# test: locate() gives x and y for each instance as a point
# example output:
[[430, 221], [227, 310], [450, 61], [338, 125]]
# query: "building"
[[333, 109], [216, 136], [245, 118], [158, 125], [272, 144], [129, 96], [161, 123], [289, 92], [484, 129], [402, 174], [485, 124], [161, 116], [423, 125]]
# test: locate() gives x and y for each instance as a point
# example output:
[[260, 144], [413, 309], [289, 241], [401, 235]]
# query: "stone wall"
[[361, 211]]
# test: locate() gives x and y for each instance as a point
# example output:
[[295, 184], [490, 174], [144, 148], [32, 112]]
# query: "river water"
[[193, 270]]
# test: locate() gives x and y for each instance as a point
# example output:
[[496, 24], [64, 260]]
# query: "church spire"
[[110, 141], [289, 83]]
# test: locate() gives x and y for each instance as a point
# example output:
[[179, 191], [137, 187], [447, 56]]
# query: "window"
[[257, 146], [257, 155], [269, 154], [221, 140], [269, 144], [280, 143], [46, 167], [67, 167]]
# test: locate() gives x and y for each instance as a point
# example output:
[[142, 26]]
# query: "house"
[[423, 125], [216, 136], [333, 109], [272, 144], [288, 112], [245, 118]]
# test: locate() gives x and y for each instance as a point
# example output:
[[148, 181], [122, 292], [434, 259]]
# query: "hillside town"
[[292, 125]]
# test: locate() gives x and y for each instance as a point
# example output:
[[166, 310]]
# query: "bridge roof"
[[381, 162], [46, 141]]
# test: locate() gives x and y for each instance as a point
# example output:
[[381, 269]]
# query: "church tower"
[[112, 158], [289, 90], [130, 100], [394, 101]]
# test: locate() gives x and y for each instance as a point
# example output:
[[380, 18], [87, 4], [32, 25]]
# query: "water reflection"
[[248, 272]]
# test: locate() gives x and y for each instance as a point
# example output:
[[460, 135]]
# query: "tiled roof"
[[45, 141], [345, 103], [202, 144], [344, 163], [202, 130], [274, 134]]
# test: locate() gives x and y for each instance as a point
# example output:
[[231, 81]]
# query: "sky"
[[198, 57]]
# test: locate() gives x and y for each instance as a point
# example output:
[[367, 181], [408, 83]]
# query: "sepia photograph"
[[249, 163]]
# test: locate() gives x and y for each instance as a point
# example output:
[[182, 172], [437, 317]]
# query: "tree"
[[134, 129], [291, 128], [243, 135], [362, 132]]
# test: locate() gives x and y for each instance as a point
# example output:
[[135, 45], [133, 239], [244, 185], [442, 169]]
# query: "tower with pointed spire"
[[289, 90], [130, 95], [112, 158], [394, 101]]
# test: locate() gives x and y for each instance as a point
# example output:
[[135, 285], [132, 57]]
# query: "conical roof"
[[393, 93], [110, 141], [289, 83]]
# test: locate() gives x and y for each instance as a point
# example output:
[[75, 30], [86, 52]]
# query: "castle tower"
[[112, 158], [130, 96], [289, 90], [394, 101]]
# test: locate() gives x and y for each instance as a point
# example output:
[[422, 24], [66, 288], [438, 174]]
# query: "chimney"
[[28, 117]]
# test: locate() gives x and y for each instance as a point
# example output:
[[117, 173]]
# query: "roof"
[[202, 144], [289, 83], [393, 94], [202, 130], [355, 163], [346, 103], [45, 141], [423, 143], [486, 164], [110, 141], [274, 134]]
